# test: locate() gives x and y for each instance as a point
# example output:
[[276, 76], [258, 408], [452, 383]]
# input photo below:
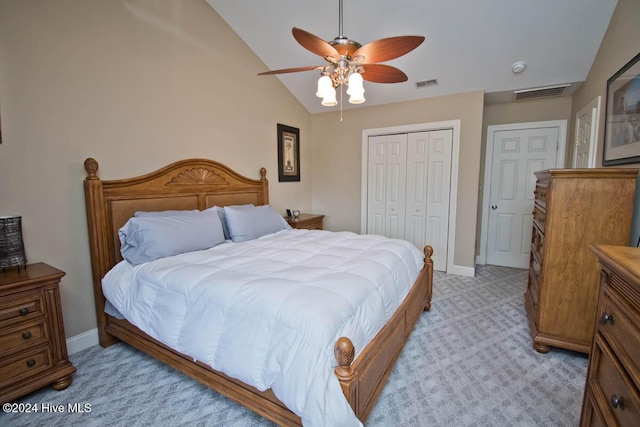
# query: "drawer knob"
[[31, 363], [617, 402], [26, 335], [23, 311], [607, 318]]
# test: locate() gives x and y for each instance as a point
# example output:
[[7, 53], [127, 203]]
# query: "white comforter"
[[269, 311]]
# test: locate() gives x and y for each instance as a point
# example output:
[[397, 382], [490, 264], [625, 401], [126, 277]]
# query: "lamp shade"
[[356, 89], [325, 85], [329, 99], [11, 244]]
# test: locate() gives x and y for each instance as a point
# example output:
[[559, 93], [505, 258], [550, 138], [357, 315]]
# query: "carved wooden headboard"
[[186, 184]]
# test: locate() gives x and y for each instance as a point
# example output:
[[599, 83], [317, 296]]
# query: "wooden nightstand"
[[308, 221], [33, 350]]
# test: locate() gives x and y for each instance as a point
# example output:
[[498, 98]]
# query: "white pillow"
[[250, 223], [146, 238]]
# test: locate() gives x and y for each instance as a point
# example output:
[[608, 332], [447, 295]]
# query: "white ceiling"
[[470, 44]]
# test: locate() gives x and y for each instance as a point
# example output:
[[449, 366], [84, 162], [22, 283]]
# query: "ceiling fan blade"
[[314, 44], [291, 70], [387, 49], [380, 73]]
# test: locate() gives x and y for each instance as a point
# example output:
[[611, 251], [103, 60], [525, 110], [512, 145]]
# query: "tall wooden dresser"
[[573, 209], [612, 392]]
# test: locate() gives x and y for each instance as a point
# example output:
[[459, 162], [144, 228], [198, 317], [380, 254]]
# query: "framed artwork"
[[288, 153], [622, 123]]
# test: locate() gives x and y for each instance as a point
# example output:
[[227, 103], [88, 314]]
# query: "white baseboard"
[[461, 270], [81, 341]]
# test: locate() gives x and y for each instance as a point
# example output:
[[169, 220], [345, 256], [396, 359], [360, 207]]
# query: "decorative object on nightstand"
[[573, 209], [308, 221], [11, 245], [33, 350], [612, 391]]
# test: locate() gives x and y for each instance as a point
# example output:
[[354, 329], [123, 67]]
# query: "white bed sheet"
[[269, 311]]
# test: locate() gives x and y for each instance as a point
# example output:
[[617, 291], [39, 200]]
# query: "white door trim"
[[455, 157], [488, 157]]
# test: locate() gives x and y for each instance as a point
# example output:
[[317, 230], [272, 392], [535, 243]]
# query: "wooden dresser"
[[308, 221], [612, 392], [573, 209], [33, 350]]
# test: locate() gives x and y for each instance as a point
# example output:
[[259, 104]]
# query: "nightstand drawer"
[[22, 336], [24, 365], [615, 388], [20, 306], [620, 331]]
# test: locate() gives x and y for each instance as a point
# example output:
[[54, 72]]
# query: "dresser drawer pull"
[[23, 311], [31, 363], [26, 335], [607, 318], [617, 402]]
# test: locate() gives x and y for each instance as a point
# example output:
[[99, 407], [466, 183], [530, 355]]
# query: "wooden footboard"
[[200, 184]]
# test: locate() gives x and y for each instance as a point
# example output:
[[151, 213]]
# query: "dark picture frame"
[[288, 153], [622, 118]]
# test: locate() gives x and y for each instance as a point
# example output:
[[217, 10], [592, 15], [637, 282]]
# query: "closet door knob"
[[494, 207]]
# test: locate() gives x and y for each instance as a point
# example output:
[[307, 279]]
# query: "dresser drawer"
[[537, 242], [541, 194], [21, 306], [539, 217], [614, 387], [14, 369], [22, 336], [622, 333]]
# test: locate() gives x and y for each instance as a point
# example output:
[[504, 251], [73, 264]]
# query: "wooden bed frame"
[[200, 184]]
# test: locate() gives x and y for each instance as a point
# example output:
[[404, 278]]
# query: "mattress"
[[269, 311]]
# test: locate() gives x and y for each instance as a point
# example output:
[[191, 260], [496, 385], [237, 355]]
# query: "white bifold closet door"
[[409, 177]]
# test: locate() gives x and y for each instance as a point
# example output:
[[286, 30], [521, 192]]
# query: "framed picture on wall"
[[288, 153], [622, 123]]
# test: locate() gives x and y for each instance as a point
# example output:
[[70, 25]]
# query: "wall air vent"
[[539, 92], [427, 83]]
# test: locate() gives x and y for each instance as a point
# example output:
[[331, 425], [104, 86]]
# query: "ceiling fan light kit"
[[350, 63]]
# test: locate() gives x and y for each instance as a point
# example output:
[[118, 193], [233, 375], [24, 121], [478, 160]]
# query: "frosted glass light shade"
[[356, 89], [330, 99], [324, 86]]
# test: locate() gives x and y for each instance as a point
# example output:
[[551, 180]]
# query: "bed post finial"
[[263, 173], [345, 353], [428, 251], [91, 166]]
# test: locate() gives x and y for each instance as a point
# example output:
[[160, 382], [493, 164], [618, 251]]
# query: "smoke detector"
[[518, 67]]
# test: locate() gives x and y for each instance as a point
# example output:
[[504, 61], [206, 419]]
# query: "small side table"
[[33, 349], [308, 221]]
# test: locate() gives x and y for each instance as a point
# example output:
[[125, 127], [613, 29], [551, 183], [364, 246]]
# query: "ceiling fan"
[[350, 63]]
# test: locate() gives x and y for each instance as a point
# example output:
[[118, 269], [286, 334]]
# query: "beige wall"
[[136, 84], [337, 157], [620, 44]]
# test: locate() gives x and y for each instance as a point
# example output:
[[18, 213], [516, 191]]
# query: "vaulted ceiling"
[[470, 44]]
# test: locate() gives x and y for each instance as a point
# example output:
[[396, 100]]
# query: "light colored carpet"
[[468, 362]]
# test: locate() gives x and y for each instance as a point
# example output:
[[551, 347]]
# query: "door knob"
[[494, 207]]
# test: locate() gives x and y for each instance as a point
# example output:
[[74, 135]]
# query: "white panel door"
[[584, 149], [395, 185], [438, 189], [516, 155], [416, 200], [376, 191]]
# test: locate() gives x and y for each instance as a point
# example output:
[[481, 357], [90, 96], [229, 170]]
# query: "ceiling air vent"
[[539, 92], [427, 83]]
